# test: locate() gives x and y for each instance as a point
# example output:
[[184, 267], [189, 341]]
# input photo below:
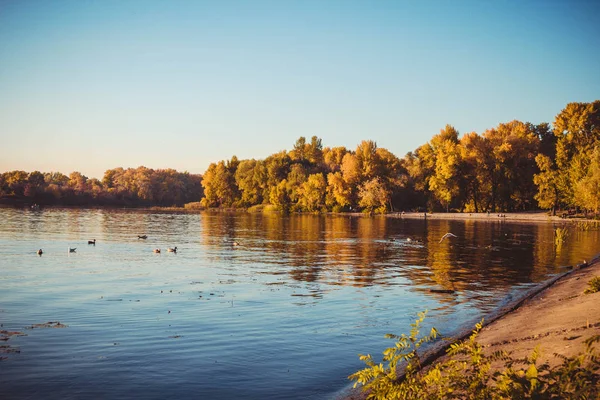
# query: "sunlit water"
[[281, 316]]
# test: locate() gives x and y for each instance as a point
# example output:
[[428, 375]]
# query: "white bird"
[[447, 235]]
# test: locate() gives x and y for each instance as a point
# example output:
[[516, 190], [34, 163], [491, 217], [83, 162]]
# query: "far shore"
[[536, 216], [523, 216]]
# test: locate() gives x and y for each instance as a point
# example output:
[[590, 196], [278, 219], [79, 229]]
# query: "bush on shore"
[[468, 373]]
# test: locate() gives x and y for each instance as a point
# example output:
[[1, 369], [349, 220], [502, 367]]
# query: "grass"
[[263, 208]]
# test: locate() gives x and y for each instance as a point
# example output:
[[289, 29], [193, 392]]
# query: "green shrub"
[[594, 285], [468, 373]]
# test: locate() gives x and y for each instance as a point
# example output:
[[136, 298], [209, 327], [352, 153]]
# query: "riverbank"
[[524, 216], [559, 319], [556, 316], [532, 216]]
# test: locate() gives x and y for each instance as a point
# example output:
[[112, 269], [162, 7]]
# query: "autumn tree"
[[312, 193], [577, 128], [586, 193], [548, 183], [444, 182], [251, 179], [339, 193], [332, 158], [373, 196], [219, 185]]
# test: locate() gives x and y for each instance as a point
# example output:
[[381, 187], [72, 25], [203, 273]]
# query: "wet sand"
[[557, 316]]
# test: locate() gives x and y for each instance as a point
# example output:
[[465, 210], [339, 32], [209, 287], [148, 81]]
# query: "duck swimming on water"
[[172, 249], [40, 252], [156, 250]]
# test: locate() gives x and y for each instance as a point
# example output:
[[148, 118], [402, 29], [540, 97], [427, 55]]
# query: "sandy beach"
[[557, 316], [558, 319]]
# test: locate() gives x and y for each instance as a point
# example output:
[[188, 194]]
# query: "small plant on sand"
[[382, 381], [468, 372], [594, 285], [560, 235]]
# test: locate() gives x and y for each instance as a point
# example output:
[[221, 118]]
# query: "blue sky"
[[93, 85]]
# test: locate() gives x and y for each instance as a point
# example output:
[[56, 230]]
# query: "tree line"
[[516, 166], [119, 187]]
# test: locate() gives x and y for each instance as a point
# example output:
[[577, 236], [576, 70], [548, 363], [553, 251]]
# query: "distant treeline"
[[120, 187], [516, 166]]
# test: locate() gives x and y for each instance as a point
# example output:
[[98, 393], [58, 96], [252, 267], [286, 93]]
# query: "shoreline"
[[523, 216], [555, 315]]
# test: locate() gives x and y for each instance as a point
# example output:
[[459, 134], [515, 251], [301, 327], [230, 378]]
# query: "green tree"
[[296, 177], [15, 182], [251, 180]]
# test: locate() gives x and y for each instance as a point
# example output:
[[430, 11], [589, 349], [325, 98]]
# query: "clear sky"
[[92, 85]]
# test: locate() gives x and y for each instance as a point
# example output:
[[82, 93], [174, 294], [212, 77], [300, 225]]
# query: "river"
[[282, 315]]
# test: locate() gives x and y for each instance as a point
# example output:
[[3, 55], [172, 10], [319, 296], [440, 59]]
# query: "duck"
[[156, 250], [40, 252], [142, 236], [172, 249], [235, 244], [72, 249], [93, 241]]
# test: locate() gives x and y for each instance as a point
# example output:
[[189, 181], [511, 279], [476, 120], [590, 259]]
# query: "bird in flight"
[[447, 235]]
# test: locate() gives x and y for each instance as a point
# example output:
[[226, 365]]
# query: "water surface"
[[281, 316]]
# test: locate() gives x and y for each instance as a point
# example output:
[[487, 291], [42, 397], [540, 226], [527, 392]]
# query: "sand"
[[558, 319]]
